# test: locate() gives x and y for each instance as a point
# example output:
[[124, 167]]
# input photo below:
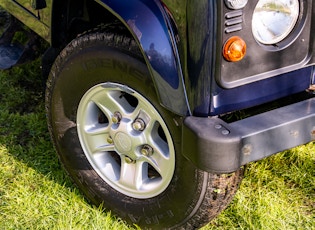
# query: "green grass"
[[35, 192], [277, 193]]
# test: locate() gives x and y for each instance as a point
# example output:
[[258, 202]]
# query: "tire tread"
[[217, 191]]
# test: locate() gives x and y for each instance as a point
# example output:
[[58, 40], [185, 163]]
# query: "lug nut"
[[138, 125], [147, 150], [110, 140], [116, 118], [128, 160]]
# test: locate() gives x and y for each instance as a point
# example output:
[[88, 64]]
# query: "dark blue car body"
[[189, 43]]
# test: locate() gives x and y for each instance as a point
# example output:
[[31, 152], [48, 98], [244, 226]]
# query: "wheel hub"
[[122, 142]]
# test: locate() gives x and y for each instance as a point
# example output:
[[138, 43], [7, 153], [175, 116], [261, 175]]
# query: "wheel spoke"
[[97, 138], [108, 105], [108, 165], [133, 174], [135, 113], [97, 129], [104, 148], [159, 161], [142, 105], [151, 130], [111, 100]]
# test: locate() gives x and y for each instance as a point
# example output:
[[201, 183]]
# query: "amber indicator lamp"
[[234, 49]]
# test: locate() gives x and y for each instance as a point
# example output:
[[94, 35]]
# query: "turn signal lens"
[[234, 49]]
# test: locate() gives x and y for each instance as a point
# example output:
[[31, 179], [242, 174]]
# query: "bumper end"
[[219, 147]]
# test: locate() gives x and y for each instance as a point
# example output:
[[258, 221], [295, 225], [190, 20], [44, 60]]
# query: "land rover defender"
[[155, 106]]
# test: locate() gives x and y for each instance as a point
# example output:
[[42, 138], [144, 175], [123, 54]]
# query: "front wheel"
[[119, 145], [126, 140]]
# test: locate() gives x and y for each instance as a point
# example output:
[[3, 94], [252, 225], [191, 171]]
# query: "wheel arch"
[[150, 25]]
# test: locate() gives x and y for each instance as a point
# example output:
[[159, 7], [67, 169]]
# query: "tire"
[[119, 145]]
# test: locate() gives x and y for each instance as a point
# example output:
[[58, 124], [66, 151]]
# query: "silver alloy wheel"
[[126, 140]]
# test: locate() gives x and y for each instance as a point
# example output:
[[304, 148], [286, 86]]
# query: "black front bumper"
[[219, 147]]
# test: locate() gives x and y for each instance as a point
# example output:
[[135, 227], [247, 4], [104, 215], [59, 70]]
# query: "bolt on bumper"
[[219, 147]]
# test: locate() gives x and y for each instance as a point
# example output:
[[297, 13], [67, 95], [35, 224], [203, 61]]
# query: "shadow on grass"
[[27, 148], [23, 129]]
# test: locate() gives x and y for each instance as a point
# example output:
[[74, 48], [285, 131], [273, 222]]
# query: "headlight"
[[273, 20]]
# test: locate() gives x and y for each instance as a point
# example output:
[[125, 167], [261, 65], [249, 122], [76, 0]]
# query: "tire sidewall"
[[81, 66]]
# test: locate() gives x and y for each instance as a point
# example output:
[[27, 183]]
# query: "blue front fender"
[[150, 26]]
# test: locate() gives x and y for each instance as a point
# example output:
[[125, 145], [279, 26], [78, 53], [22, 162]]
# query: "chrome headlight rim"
[[287, 35], [235, 4]]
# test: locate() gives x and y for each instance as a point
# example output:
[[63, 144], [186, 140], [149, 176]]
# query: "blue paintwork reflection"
[[148, 23], [256, 93]]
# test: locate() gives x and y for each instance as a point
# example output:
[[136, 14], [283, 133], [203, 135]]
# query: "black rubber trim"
[[218, 147]]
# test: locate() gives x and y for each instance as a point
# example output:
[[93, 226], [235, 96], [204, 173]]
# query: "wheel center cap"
[[122, 142]]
